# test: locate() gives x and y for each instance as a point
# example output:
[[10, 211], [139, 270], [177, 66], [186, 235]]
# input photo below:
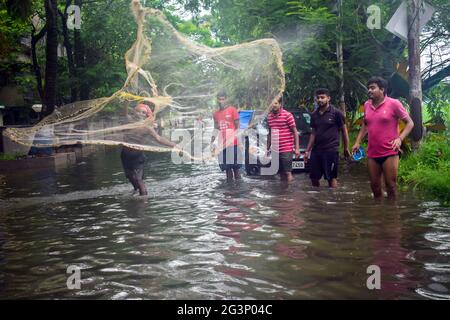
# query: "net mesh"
[[177, 77]]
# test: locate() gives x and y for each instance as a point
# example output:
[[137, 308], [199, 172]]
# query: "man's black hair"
[[222, 94], [280, 99], [380, 82], [322, 91]]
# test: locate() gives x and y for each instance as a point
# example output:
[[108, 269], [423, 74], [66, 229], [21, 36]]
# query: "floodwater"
[[197, 237]]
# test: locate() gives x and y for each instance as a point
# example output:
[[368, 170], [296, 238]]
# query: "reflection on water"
[[197, 237]]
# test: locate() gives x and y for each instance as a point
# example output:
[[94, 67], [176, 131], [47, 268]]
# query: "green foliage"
[[108, 30], [438, 104], [199, 32], [12, 156], [312, 12], [11, 30], [25, 81], [307, 31], [428, 169]]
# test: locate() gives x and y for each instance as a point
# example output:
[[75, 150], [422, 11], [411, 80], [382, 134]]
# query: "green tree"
[[307, 33]]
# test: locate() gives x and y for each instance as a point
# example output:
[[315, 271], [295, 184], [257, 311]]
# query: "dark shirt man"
[[323, 147]]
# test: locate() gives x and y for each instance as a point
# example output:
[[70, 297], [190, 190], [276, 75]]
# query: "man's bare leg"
[[134, 183], [390, 170], [229, 173], [375, 173], [237, 174], [142, 187], [332, 183], [289, 176], [315, 183]]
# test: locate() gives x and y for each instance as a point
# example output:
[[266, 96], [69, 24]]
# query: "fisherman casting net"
[[178, 78]]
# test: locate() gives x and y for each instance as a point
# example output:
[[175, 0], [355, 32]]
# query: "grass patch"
[[12, 156], [428, 169]]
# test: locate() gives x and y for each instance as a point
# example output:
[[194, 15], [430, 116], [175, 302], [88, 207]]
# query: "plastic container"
[[245, 117], [359, 154]]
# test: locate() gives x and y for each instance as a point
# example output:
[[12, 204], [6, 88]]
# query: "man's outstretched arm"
[[160, 139]]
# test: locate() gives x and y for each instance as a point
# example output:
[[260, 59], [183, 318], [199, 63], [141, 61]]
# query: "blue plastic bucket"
[[359, 154], [245, 117]]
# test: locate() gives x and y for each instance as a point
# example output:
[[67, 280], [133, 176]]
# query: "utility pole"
[[414, 75], [340, 58]]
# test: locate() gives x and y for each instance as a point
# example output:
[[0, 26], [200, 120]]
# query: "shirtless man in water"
[[133, 160]]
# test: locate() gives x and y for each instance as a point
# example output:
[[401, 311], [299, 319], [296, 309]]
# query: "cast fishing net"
[[178, 78]]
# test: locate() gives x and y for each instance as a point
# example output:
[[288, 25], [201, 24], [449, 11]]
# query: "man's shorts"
[[323, 164], [285, 161], [230, 158], [133, 163]]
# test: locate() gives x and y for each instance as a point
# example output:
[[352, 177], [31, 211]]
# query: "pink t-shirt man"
[[382, 126]]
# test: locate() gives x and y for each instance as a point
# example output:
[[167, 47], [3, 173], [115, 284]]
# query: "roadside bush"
[[428, 169]]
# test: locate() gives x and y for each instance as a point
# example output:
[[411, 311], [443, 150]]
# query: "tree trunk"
[[414, 49], [80, 60], [414, 75], [69, 51], [51, 56], [36, 68], [340, 60]]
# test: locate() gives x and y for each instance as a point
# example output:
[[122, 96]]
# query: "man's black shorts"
[[285, 162], [230, 158], [133, 163], [323, 164]]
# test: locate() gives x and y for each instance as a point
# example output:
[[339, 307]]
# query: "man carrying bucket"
[[381, 117]]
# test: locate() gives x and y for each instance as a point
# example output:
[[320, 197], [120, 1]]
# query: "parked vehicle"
[[256, 142]]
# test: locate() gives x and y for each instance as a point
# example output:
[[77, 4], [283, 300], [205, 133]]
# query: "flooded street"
[[197, 237]]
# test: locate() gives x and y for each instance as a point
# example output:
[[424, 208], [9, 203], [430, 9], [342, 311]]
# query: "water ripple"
[[198, 237]]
